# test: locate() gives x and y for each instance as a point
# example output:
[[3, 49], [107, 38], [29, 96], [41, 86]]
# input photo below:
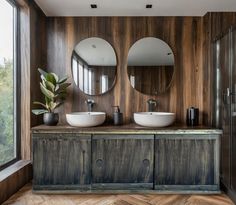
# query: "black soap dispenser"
[[117, 116], [192, 117]]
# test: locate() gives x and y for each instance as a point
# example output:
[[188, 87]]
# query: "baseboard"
[[13, 178]]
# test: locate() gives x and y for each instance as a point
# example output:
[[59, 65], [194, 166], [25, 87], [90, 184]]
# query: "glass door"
[[222, 101], [233, 109]]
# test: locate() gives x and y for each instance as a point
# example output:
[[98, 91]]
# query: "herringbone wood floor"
[[25, 197]]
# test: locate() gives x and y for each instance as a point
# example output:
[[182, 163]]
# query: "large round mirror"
[[94, 66], [150, 66]]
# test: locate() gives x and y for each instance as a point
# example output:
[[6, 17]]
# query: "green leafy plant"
[[54, 91]]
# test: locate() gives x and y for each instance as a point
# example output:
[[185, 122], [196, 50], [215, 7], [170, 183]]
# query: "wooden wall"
[[13, 178], [215, 24], [189, 37], [32, 55], [183, 34]]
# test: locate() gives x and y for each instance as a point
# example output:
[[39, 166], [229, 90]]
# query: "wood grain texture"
[[61, 161], [32, 56], [71, 162], [127, 129], [13, 178], [186, 162], [218, 25], [26, 197], [183, 34], [124, 159]]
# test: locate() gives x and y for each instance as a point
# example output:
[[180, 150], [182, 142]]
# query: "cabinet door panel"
[[61, 159], [183, 161], [123, 159]]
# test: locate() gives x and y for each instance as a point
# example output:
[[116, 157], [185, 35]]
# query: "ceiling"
[[150, 52], [96, 51], [134, 7]]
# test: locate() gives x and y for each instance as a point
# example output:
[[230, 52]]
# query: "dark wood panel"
[[184, 161], [38, 56], [13, 178], [32, 55], [61, 161], [233, 116], [221, 22], [218, 26], [183, 34], [122, 160]]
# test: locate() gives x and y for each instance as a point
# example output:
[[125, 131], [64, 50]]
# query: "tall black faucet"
[[90, 104], [152, 104]]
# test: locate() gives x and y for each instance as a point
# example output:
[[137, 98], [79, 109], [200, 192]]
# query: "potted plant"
[[54, 91]]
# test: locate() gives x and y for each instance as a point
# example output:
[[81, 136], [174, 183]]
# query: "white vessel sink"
[[86, 119], [154, 119]]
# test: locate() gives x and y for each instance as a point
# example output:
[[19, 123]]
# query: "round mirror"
[[150, 66], [94, 66]]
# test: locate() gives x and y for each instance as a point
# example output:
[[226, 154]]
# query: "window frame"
[[16, 85]]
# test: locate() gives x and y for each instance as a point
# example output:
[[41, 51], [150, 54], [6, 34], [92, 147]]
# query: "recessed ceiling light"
[[148, 6], [93, 6]]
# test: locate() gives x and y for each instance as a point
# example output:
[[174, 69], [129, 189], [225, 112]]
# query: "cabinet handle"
[[83, 171], [99, 163], [146, 162]]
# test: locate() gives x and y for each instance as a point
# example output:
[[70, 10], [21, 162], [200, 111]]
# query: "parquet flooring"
[[26, 197]]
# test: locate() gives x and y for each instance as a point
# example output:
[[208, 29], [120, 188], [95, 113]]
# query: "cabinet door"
[[61, 161], [187, 162], [122, 161]]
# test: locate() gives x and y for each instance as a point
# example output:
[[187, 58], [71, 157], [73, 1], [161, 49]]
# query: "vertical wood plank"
[[183, 34]]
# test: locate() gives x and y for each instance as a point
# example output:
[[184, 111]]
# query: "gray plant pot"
[[50, 118]]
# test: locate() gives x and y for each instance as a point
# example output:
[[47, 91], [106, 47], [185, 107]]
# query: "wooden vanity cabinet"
[[122, 162], [61, 161], [187, 162], [67, 160]]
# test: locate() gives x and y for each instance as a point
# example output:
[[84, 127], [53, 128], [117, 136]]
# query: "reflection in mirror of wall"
[[150, 66], [94, 66]]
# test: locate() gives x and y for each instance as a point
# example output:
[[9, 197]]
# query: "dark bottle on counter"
[[192, 118], [117, 116]]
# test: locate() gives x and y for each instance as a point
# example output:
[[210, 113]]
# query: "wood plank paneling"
[[219, 25], [13, 178], [187, 162], [61, 161], [32, 56], [183, 34], [115, 160]]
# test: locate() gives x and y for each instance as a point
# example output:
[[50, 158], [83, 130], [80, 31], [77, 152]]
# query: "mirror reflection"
[[150, 66], [94, 66]]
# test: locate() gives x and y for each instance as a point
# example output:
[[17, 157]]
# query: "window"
[[8, 117]]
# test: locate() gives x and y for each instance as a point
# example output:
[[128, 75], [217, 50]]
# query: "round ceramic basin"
[[154, 119], [86, 119]]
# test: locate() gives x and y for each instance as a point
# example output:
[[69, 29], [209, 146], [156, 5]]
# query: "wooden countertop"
[[126, 129]]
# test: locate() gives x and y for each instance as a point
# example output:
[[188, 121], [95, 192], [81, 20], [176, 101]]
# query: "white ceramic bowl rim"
[[155, 113], [87, 113]]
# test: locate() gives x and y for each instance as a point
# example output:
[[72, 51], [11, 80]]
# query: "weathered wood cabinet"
[[122, 161], [90, 160], [61, 161], [187, 162]]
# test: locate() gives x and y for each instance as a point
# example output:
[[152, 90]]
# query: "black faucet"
[[90, 104], [152, 104]]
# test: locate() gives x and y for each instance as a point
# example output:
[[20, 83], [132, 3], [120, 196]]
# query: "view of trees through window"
[[7, 139]]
